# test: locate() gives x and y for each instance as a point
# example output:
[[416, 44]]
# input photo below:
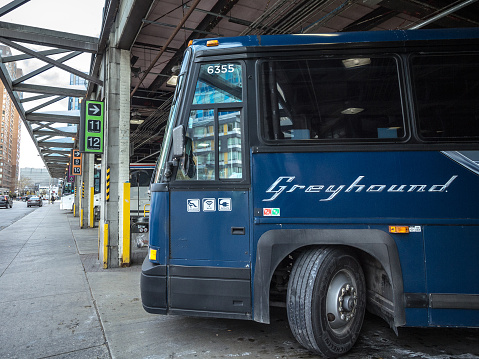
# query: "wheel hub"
[[341, 301]]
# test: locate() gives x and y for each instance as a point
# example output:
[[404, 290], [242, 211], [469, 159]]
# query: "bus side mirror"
[[178, 142], [187, 162]]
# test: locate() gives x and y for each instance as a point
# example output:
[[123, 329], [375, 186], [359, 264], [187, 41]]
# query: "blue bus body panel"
[[428, 191], [452, 267], [369, 187], [204, 225], [338, 38], [159, 225]]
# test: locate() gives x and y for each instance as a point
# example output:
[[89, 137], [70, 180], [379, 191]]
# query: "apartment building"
[[10, 131]]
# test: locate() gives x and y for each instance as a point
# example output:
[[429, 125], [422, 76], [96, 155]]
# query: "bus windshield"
[[171, 119]]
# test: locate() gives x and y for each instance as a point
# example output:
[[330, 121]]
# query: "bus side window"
[[446, 96], [328, 99]]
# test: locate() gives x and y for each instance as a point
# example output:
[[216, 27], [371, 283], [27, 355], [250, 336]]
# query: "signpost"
[[76, 163], [92, 125]]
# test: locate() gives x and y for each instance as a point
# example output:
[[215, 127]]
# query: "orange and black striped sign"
[[108, 183]]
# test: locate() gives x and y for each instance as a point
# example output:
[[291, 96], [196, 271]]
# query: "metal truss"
[[53, 144]]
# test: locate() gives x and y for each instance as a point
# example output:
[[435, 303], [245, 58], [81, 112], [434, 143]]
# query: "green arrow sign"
[[93, 127]]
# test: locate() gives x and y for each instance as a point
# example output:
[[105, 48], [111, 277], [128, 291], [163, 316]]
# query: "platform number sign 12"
[[93, 127]]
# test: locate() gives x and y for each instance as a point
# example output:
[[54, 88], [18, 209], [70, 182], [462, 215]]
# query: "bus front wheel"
[[326, 300]]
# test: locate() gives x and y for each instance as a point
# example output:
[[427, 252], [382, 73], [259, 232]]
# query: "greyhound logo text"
[[285, 184]]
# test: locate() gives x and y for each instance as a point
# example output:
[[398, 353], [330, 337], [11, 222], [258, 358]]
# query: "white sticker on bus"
[[224, 204], [193, 205], [209, 204]]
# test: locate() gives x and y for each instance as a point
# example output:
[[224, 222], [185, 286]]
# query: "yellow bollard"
[[92, 199], [105, 246], [126, 225]]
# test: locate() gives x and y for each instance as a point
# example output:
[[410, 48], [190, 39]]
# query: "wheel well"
[[378, 284], [375, 250]]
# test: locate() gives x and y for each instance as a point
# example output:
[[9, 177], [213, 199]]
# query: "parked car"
[[6, 201], [34, 201]]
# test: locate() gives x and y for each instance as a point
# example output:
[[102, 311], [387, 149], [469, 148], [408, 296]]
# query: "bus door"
[[210, 261]]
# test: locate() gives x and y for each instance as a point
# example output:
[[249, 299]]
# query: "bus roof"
[[339, 37]]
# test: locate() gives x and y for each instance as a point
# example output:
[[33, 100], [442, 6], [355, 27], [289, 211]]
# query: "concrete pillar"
[[87, 179], [116, 155]]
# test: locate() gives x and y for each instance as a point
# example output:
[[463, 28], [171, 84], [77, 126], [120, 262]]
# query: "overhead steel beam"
[[50, 61], [56, 163], [207, 24], [59, 91], [45, 104], [110, 11], [48, 117], [53, 133], [34, 98], [26, 57], [61, 158], [44, 37], [442, 14], [170, 39], [164, 24], [55, 144], [12, 6], [59, 151], [45, 68], [139, 10]]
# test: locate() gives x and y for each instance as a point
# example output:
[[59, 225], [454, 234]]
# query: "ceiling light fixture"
[[352, 111], [172, 81], [349, 63], [136, 121]]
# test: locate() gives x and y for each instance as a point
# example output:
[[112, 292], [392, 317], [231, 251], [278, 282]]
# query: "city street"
[[11, 215]]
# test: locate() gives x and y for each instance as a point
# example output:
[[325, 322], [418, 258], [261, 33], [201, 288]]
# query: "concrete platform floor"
[[57, 302]]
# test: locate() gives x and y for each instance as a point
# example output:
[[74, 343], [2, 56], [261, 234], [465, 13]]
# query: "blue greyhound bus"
[[329, 174]]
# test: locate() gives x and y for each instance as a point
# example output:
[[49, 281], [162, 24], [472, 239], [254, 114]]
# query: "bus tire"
[[326, 300]]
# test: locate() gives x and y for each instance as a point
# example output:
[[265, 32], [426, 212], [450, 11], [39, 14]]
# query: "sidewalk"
[[56, 301], [51, 284]]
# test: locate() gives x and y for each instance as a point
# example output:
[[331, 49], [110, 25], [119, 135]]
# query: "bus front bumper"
[[153, 287]]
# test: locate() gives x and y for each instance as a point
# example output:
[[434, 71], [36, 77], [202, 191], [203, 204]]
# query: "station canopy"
[[157, 33]]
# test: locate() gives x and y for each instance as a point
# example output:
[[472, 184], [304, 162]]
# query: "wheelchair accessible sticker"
[[193, 205]]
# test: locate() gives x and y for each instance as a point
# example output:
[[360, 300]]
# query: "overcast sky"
[[81, 17]]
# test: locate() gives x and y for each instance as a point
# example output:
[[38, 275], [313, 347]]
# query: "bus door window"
[[326, 99], [210, 127], [201, 130], [229, 133]]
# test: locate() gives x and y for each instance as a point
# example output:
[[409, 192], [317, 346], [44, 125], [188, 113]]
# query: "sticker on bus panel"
[[224, 204], [209, 204], [193, 205], [271, 212]]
